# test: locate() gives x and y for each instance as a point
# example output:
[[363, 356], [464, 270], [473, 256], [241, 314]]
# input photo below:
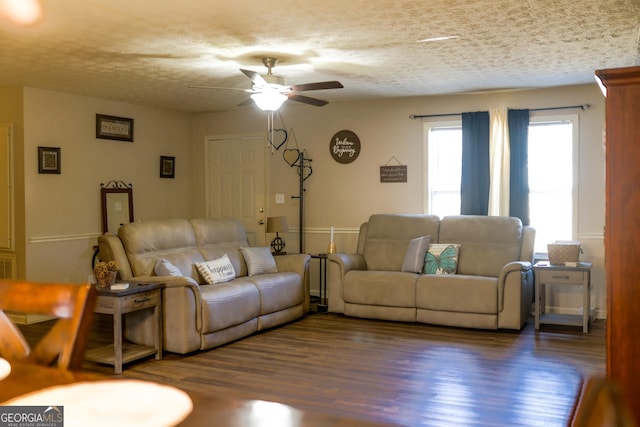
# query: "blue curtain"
[[474, 188], [519, 169]]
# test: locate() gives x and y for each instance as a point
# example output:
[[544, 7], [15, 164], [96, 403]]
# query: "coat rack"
[[304, 171]]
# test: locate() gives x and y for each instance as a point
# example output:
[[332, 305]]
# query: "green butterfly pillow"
[[441, 258]]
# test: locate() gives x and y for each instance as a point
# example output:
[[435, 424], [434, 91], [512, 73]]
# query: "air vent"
[[7, 266]]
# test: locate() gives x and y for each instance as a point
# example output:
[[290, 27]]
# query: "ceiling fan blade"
[[218, 88], [255, 77], [317, 86], [307, 100], [246, 102]]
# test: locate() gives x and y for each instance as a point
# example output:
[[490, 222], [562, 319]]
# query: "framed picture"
[[48, 160], [112, 127], [167, 167]]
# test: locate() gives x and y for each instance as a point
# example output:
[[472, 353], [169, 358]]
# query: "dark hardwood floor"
[[407, 374]]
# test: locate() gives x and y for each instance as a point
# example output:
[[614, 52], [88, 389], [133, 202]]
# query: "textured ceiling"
[[148, 52]]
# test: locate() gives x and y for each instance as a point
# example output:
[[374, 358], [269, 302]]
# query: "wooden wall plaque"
[[344, 146], [394, 173]]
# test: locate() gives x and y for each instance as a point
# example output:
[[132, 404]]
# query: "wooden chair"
[[64, 344], [600, 405]]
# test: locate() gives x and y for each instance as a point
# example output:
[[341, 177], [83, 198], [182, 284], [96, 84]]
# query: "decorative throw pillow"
[[442, 258], [218, 270], [416, 251], [165, 268], [259, 260]]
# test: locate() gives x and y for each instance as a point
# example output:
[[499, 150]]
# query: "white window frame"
[[427, 126], [535, 117], [574, 119]]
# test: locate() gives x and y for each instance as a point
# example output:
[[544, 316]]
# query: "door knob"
[[261, 222], [261, 210]]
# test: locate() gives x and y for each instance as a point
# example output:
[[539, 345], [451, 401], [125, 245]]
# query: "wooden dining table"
[[27, 378]]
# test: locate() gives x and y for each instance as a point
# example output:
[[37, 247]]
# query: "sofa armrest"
[[110, 249], [339, 265], [298, 263], [348, 262], [513, 266], [515, 294], [181, 315], [177, 282]]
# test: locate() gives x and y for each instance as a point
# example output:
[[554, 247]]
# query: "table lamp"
[[277, 224]]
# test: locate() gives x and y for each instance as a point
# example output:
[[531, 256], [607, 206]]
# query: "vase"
[[107, 280]]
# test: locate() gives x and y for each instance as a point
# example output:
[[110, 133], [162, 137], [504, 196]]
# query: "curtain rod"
[[582, 107]]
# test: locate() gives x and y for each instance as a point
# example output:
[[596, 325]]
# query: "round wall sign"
[[344, 146]]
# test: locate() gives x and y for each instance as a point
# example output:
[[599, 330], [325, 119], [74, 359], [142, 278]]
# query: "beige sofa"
[[196, 315], [491, 289]]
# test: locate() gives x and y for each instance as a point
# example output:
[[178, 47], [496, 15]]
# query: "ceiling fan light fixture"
[[269, 101]]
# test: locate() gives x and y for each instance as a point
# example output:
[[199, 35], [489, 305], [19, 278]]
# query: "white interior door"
[[236, 182]]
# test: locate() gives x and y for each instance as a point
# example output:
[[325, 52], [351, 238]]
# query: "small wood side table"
[[118, 303], [550, 274]]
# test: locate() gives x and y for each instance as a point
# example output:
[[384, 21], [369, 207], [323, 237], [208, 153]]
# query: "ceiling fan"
[[270, 92]]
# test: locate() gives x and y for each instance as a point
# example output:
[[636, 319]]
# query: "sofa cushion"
[[228, 304], [278, 291], [218, 236], [388, 236], [457, 293], [164, 267], [171, 239], [384, 288], [259, 260], [488, 242], [414, 256], [218, 270], [441, 258]]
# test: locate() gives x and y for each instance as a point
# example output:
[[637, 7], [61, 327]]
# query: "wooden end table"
[[550, 274], [118, 303]]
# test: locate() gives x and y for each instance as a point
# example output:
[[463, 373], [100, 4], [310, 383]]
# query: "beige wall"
[[344, 196], [62, 212], [58, 216]]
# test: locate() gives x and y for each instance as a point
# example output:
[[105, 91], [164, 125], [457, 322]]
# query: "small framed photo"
[[167, 167], [49, 160], [112, 127]]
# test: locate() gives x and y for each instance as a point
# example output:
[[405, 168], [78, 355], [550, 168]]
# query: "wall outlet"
[[279, 199]]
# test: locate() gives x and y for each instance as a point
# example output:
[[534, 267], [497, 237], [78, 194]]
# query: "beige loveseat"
[[492, 287], [196, 315]]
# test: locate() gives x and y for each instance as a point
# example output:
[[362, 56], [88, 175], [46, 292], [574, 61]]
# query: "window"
[[552, 174], [552, 178], [444, 168]]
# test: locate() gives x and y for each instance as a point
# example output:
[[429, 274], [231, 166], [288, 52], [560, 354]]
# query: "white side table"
[[548, 274]]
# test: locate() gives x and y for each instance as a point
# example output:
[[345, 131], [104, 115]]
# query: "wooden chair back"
[[64, 344], [600, 404]]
